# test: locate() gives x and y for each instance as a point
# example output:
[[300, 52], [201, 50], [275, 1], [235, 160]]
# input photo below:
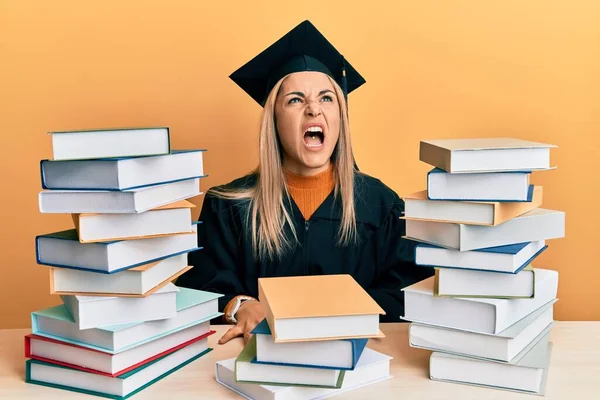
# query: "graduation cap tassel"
[[344, 81], [344, 86]]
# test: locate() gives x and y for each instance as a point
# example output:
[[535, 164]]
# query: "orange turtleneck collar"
[[310, 191]]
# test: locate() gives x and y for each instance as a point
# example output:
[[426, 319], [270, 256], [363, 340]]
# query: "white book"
[[468, 283], [481, 315], [486, 186], [102, 143], [485, 154], [170, 219], [193, 307], [62, 249], [528, 374], [117, 202], [122, 173], [96, 311], [340, 354], [504, 346], [113, 364], [140, 281], [47, 374], [538, 224], [372, 367], [506, 259]]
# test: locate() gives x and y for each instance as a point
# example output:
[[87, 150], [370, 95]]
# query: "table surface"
[[574, 370]]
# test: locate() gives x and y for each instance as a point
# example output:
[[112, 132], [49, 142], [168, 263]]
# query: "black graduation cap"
[[303, 48]]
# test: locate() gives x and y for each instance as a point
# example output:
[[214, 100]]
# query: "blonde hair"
[[268, 215]]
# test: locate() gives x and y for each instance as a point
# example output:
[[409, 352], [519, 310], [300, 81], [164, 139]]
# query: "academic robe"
[[382, 262]]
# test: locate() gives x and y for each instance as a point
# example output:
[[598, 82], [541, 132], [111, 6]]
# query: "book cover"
[[279, 296]]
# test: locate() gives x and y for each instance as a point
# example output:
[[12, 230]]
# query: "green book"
[[247, 370], [120, 387]]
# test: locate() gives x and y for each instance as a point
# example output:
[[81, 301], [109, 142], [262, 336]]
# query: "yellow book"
[[318, 307]]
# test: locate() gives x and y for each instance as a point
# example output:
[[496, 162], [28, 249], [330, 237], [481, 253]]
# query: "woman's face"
[[308, 122]]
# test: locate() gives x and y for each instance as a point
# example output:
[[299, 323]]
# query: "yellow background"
[[434, 69]]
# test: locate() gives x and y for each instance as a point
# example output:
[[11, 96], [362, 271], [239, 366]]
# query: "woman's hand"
[[248, 316]]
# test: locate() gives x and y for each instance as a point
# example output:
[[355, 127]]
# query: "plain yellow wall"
[[434, 69]]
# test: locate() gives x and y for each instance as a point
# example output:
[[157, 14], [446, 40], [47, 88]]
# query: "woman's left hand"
[[248, 316]]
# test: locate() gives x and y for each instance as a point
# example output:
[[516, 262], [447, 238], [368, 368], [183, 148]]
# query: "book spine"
[[461, 237], [34, 323], [168, 139], [52, 285], [269, 313], [42, 174], [28, 371], [358, 346], [436, 156], [27, 346], [507, 211]]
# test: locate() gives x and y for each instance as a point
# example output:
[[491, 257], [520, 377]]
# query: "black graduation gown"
[[381, 262]]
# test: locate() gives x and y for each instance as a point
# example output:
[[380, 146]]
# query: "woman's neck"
[[299, 169], [301, 181], [309, 192]]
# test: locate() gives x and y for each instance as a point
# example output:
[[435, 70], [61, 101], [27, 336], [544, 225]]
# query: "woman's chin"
[[316, 161]]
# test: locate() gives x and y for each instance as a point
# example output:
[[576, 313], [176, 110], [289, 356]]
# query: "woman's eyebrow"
[[322, 92], [296, 94]]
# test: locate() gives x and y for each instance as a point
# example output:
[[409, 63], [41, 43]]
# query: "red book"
[[102, 363]]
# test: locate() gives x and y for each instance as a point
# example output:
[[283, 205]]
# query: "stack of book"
[[122, 325], [487, 312], [312, 343]]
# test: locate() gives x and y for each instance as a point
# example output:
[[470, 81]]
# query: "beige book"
[[319, 307], [419, 207], [109, 143], [485, 154]]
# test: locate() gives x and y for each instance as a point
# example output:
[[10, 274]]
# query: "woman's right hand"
[[248, 316]]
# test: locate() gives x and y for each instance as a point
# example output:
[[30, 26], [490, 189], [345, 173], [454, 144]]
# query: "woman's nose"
[[313, 109]]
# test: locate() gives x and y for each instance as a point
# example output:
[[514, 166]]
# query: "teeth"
[[315, 129]]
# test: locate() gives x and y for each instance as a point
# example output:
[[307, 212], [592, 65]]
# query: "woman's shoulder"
[[374, 189], [245, 182], [231, 195], [375, 202]]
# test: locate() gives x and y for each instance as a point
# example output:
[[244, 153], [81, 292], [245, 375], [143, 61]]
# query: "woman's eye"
[[293, 100], [326, 98]]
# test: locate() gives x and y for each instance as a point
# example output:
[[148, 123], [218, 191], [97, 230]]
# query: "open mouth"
[[313, 137]]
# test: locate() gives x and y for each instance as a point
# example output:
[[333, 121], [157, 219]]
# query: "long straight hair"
[[268, 216]]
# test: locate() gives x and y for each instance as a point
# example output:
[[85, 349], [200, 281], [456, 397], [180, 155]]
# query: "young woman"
[[306, 209]]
